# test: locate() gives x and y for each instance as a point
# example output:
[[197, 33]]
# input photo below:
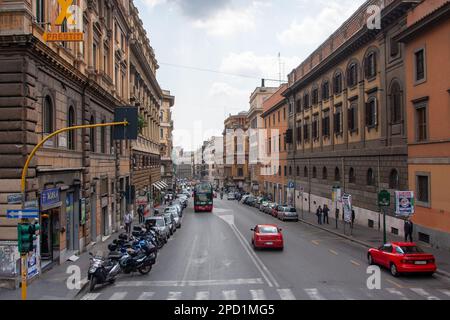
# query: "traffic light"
[[26, 235]]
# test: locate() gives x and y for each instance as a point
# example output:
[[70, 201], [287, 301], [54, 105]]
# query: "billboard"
[[404, 203]]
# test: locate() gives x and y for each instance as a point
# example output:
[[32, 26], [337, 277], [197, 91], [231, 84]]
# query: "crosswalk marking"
[[202, 295], [174, 295], [229, 294], [314, 294], [446, 292], [146, 296], [397, 293], [286, 294], [425, 294], [258, 294], [90, 296], [118, 296]]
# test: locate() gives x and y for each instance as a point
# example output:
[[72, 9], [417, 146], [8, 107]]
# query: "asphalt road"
[[211, 258]]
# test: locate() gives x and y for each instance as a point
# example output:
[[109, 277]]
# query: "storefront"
[[50, 205]]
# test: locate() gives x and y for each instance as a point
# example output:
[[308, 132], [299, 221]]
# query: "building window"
[[315, 96], [306, 101], [421, 122], [305, 172], [337, 83], [103, 138], [314, 173], [285, 171], [48, 116], [338, 120], [419, 65], [352, 75], [71, 133], [240, 172], [162, 133], [299, 132], [290, 171], [315, 126], [396, 103], [40, 11], [111, 140], [279, 171], [324, 173], [306, 130], [298, 171], [298, 106], [395, 47], [394, 180], [94, 55], [326, 124], [326, 90], [106, 60], [423, 189], [351, 176], [353, 117], [337, 174], [92, 135], [284, 113], [370, 65], [370, 177], [371, 113]]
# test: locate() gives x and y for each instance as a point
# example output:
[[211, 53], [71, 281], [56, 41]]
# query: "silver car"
[[175, 214], [159, 223]]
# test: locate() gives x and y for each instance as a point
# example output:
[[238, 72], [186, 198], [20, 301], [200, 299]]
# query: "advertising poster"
[[404, 203], [83, 212], [33, 268], [347, 207]]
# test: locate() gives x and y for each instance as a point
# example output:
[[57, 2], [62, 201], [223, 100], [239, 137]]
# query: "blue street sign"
[[22, 213], [291, 185], [15, 198]]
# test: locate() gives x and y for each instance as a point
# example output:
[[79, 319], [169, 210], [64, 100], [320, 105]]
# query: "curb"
[[362, 243]]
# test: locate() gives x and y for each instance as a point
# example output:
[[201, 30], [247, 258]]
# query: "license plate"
[[269, 243], [420, 262]]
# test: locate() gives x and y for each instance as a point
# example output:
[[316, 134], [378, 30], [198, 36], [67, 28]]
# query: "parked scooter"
[[103, 270]]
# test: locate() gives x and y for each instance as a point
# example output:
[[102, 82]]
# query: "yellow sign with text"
[[72, 15]]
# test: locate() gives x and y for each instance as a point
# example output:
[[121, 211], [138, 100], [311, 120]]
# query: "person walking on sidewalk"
[[319, 214], [128, 219], [409, 226], [141, 214], [325, 211]]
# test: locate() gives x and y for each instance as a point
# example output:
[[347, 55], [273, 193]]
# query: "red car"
[[267, 236], [402, 257]]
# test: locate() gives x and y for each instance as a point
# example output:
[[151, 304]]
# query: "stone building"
[[166, 139], [347, 116], [45, 86]]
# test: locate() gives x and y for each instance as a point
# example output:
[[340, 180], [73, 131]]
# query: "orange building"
[[427, 50], [274, 172]]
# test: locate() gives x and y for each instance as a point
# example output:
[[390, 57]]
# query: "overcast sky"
[[231, 38]]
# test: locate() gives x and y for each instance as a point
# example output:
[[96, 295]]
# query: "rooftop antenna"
[[279, 66]]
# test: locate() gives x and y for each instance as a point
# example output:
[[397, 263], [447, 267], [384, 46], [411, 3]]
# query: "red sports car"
[[267, 236], [402, 257]]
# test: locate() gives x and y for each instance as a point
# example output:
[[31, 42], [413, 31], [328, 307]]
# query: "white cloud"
[[154, 3], [250, 64], [230, 98], [227, 22], [313, 30]]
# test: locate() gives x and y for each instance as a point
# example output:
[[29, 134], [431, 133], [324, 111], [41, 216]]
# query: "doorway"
[[94, 218], [50, 242]]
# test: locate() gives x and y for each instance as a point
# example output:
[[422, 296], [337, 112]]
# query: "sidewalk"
[[369, 237]]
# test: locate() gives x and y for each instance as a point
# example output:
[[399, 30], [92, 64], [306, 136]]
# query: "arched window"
[[290, 170], [337, 83], [372, 112], [314, 172], [370, 65], [306, 100], [337, 174], [351, 176], [298, 171], [352, 74], [305, 172], [48, 116], [394, 180], [103, 137], [370, 177], [279, 171], [324, 173], [71, 133], [92, 135], [396, 103]]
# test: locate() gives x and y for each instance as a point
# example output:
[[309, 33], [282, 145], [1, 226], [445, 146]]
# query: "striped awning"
[[157, 186]]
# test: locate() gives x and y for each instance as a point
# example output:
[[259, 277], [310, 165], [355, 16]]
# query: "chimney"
[[262, 83]]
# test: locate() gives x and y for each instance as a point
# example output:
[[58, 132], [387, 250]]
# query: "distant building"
[[166, 138]]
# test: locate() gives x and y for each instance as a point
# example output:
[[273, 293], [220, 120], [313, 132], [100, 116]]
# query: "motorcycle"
[[102, 270]]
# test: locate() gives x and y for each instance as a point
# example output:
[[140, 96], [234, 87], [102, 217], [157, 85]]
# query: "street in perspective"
[[224, 150]]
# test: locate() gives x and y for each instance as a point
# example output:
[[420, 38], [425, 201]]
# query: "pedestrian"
[[128, 219], [319, 214], [353, 218], [409, 226], [141, 214], [325, 213]]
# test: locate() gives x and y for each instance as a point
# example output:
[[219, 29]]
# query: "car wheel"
[[370, 259], [282, 249], [394, 271]]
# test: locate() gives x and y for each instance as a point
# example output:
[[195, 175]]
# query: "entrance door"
[[93, 218]]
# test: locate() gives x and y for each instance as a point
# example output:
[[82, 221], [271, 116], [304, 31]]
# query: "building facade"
[[274, 172], [183, 162], [79, 179], [166, 139], [426, 41], [347, 117]]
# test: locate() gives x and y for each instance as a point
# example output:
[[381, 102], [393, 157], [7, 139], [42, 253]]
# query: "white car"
[[230, 196]]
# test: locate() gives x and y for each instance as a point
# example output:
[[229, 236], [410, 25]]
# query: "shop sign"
[[404, 203], [50, 198]]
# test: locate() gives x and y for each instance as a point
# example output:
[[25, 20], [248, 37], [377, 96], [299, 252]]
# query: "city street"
[[211, 258]]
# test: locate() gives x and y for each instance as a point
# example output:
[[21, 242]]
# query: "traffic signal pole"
[[24, 256]]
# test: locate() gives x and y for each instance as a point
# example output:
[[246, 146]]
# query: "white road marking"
[[118, 296], [174, 296], [202, 295], [397, 293], [189, 283], [314, 294], [229, 294], [423, 293], [286, 294], [258, 294], [90, 296], [146, 296], [191, 258]]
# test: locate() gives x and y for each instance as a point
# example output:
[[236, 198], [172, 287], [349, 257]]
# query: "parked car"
[[263, 205], [274, 211], [159, 223], [267, 236], [270, 207], [231, 196], [244, 198], [250, 201], [170, 220], [402, 257], [286, 213]]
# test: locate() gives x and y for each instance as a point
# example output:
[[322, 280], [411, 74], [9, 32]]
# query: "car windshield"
[[410, 249], [156, 222], [268, 229]]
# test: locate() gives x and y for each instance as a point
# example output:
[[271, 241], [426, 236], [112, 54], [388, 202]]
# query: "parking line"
[[394, 283], [333, 252], [355, 263], [316, 242]]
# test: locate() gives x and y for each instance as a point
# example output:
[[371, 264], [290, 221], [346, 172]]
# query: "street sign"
[[291, 185], [404, 203], [32, 204], [15, 198], [129, 114], [384, 198], [22, 213]]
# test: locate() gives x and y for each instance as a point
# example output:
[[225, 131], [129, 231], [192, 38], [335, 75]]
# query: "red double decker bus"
[[203, 197]]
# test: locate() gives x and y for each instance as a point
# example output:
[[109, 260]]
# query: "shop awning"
[[157, 186], [164, 184]]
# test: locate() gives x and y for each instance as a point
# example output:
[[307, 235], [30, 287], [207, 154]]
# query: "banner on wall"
[[404, 203], [347, 207]]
